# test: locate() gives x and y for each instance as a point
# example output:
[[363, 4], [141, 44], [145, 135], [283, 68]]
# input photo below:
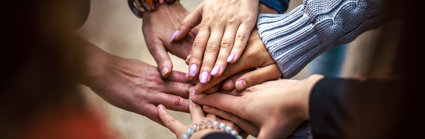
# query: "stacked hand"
[[276, 108], [224, 29], [157, 29], [133, 85]]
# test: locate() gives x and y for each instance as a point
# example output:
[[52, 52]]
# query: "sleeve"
[[337, 105], [296, 38], [278, 5]]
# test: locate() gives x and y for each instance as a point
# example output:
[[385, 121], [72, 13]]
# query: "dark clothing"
[[279, 5], [348, 108]]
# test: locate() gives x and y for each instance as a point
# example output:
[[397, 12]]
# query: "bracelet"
[[210, 125], [138, 7]]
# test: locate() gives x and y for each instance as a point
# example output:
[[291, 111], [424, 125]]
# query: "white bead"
[[233, 132], [227, 128], [184, 136], [222, 125]]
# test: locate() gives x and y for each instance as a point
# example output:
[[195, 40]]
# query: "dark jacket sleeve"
[[343, 108], [279, 5]]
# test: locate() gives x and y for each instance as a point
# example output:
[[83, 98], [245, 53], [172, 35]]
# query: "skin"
[[197, 115], [280, 106], [134, 85], [224, 29], [255, 57], [157, 28]]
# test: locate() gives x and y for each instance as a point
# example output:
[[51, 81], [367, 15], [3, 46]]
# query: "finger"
[[245, 125], [196, 112], [213, 89], [171, 101], [150, 111], [191, 21], [171, 123], [210, 54], [229, 84], [222, 101], [187, 59], [177, 76], [197, 51], [241, 39], [226, 46], [176, 88], [257, 76], [161, 58]]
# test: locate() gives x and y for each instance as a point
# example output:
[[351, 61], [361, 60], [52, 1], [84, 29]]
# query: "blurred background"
[[113, 27]]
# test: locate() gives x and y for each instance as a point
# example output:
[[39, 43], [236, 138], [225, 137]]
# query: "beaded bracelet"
[[210, 125], [138, 7]]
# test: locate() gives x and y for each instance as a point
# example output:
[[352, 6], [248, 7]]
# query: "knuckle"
[[177, 101], [240, 36], [226, 44], [211, 48]]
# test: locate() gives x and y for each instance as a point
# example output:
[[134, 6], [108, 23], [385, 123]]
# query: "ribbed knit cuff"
[[296, 38]]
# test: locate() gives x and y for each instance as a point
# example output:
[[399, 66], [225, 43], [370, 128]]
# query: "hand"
[[197, 116], [276, 108], [225, 26], [158, 27], [133, 85], [255, 57]]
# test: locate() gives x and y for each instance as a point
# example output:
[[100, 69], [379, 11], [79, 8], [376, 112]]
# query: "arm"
[[296, 38]]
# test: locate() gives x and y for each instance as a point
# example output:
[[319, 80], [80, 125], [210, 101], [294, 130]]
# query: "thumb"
[[191, 21], [257, 76], [161, 58]]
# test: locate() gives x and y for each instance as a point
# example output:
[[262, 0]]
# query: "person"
[[335, 107]]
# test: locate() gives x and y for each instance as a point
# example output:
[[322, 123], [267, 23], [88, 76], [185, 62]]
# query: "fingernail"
[[161, 107], [241, 84], [164, 71], [174, 36], [215, 70], [204, 77], [206, 107], [231, 57], [193, 70]]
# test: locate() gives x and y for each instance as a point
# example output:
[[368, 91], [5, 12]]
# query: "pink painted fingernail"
[[241, 84], [215, 70], [204, 77], [161, 107], [206, 107], [193, 70], [174, 36], [231, 57]]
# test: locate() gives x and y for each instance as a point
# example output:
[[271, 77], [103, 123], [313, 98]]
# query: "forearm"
[[296, 38]]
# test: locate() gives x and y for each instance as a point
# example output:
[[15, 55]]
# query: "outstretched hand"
[[280, 106], [224, 29], [158, 27], [133, 85]]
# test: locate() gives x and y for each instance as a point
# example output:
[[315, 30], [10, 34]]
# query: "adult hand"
[[158, 26], [255, 57], [133, 85], [225, 26], [276, 108], [199, 119]]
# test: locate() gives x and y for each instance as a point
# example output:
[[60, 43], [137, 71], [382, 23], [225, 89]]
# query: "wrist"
[[202, 133], [95, 64], [309, 82]]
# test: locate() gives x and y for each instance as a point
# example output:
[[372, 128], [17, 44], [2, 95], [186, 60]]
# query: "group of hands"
[[226, 81]]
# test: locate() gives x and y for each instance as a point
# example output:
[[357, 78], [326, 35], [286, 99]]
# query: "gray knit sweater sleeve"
[[296, 38]]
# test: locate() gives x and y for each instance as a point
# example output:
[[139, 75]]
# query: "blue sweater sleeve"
[[295, 38], [279, 5]]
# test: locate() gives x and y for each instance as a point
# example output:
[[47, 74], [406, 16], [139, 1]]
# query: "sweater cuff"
[[290, 39], [296, 38], [278, 5]]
